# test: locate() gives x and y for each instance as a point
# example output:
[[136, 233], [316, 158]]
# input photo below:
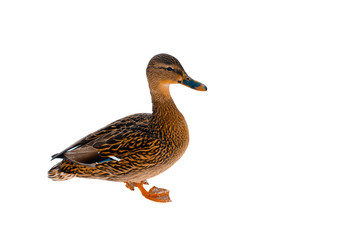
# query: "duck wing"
[[84, 151], [134, 148]]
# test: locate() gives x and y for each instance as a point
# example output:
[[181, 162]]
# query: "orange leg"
[[131, 185], [154, 194]]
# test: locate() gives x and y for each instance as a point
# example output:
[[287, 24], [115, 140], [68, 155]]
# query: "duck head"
[[164, 69]]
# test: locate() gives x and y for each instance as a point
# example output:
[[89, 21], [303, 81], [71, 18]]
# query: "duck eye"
[[170, 69]]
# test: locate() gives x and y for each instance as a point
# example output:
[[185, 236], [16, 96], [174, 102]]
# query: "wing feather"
[[112, 140]]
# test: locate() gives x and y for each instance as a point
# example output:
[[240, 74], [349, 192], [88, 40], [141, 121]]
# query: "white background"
[[274, 150]]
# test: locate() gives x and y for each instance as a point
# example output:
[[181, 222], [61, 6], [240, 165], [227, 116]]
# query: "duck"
[[137, 147]]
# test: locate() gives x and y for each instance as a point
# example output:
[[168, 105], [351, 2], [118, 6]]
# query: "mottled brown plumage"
[[139, 146]]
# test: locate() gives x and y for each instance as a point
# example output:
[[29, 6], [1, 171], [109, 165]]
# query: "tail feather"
[[58, 172]]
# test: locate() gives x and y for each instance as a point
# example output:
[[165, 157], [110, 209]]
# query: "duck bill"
[[191, 83]]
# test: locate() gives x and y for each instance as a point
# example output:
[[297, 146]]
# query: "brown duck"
[[139, 146]]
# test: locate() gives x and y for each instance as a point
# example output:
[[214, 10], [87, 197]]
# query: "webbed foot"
[[159, 195], [154, 194]]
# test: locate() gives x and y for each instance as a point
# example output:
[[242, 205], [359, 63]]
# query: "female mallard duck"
[[139, 146]]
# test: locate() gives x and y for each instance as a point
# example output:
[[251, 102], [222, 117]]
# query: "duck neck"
[[165, 112]]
